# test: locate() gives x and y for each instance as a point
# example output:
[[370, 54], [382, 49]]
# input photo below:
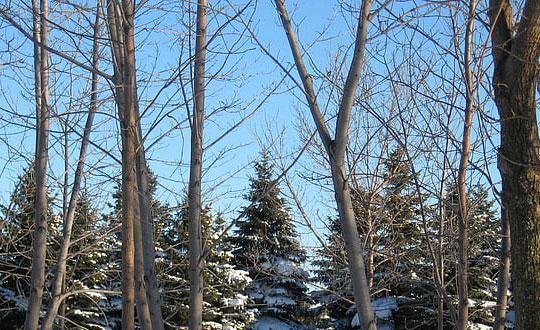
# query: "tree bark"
[[463, 239], [336, 153], [514, 81], [60, 273], [504, 272], [196, 260], [147, 232], [141, 301], [41, 67], [121, 29]]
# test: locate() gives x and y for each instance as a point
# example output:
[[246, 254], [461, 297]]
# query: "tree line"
[[257, 275], [398, 126]]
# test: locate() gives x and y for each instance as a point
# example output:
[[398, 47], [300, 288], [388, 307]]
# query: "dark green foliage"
[[92, 265], [484, 247], [266, 246], [223, 299], [16, 237], [388, 222]]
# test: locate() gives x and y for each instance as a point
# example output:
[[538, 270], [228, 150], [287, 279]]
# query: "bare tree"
[[463, 240], [121, 28], [41, 67], [196, 260], [335, 148], [515, 54], [60, 273]]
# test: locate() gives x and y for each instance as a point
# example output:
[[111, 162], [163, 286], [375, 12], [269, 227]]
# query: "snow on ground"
[[478, 326], [270, 323]]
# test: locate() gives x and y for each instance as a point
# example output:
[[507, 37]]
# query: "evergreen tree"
[[225, 305], [16, 236], [402, 274], [266, 246], [224, 284], [388, 222], [90, 267], [484, 245], [331, 272]]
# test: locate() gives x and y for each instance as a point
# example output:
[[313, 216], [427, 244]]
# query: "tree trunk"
[[439, 273], [463, 243], [504, 272], [514, 82], [336, 152], [41, 66], [121, 29], [196, 261], [370, 269], [147, 232], [141, 301], [60, 273]]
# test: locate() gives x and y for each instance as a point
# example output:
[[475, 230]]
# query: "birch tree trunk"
[[514, 81], [196, 260], [60, 273], [336, 152], [41, 67]]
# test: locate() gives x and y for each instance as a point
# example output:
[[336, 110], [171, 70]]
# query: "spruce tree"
[[266, 246], [16, 235], [402, 274], [484, 245], [387, 219], [225, 304], [335, 296], [90, 267]]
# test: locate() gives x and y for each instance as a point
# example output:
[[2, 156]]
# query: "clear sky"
[[409, 87]]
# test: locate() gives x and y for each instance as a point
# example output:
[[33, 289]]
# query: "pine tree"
[[225, 305], [16, 235], [484, 245], [335, 296], [388, 221], [402, 274], [91, 267], [266, 246]]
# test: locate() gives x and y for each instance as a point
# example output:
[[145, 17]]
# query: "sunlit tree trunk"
[[147, 232], [515, 80], [335, 149], [196, 261], [41, 67], [463, 239], [121, 29]]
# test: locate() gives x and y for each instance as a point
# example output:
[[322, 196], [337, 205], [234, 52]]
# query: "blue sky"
[[240, 87]]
